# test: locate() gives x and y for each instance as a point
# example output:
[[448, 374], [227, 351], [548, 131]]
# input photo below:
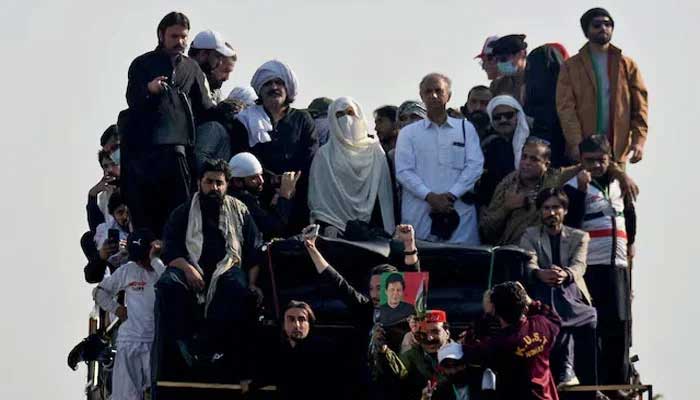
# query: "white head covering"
[[243, 93], [451, 350], [349, 174], [243, 165], [522, 129], [275, 69]]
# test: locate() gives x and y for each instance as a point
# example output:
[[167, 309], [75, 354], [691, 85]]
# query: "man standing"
[[217, 60], [385, 126], [247, 184], [304, 357], [556, 268], [520, 353], [503, 147], [437, 161], [281, 137], [510, 52], [418, 365], [600, 208], [474, 110], [167, 95], [488, 60], [209, 243], [601, 92]]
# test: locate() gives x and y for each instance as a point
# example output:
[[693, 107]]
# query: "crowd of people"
[[196, 184]]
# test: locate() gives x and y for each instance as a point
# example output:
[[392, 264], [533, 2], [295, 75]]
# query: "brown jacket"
[[573, 249], [576, 101]]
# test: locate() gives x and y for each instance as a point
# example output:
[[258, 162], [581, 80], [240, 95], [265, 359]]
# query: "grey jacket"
[[573, 250]]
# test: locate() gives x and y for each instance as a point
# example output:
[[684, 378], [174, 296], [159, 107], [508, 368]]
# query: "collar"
[[449, 122]]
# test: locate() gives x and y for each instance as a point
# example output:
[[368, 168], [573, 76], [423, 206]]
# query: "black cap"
[[588, 16], [509, 44], [138, 244]]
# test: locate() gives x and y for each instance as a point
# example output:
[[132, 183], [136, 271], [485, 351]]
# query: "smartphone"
[[311, 231], [113, 235]]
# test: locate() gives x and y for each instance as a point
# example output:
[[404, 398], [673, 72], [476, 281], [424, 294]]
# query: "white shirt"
[[139, 298], [438, 159]]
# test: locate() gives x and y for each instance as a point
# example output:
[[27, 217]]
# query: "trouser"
[[576, 348], [212, 143], [228, 328], [132, 370], [611, 292], [155, 184]]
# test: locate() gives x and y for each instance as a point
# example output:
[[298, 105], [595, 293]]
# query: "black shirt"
[[499, 161]]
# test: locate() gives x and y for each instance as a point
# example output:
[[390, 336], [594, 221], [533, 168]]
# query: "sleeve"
[[100, 235], [174, 235], [239, 138], [413, 267], [566, 174], [630, 214], [577, 262], [527, 243], [137, 95], [106, 291], [252, 243], [577, 207], [405, 162], [473, 166], [391, 364], [350, 296], [639, 105], [94, 214], [493, 218], [95, 269], [566, 108], [203, 106], [537, 308], [310, 144], [283, 209]]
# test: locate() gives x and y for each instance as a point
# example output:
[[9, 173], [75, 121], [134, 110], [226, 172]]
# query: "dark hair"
[[595, 144], [386, 112], [545, 194], [382, 268], [302, 306], [534, 140], [509, 300], [115, 200], [108, 134], [216, 166], [101, 155], [476, 89], [393, 278], [171, 19]]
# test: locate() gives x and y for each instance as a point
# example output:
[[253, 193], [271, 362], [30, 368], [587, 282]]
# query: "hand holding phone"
[[310, 232]]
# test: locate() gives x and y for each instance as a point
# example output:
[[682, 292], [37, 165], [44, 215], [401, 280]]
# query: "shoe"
[[571, 380]]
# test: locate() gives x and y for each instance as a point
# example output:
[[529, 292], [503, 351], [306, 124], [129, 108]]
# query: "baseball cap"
[[509, 44], [487, 49], [212, 40], [451, 350]]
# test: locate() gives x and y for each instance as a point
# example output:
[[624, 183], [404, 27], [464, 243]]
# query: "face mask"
[[353, 129], [116, 156], [507, 68], [480, 119]]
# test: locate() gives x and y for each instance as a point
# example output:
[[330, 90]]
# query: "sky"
[[64, 83]]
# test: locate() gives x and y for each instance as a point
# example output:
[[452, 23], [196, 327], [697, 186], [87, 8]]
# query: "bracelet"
[[410, 253]]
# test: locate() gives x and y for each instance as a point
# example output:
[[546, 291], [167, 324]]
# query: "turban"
[[588, 16], [244, 94], [243, 165], [412, 107], [522, 129], [272, 70]]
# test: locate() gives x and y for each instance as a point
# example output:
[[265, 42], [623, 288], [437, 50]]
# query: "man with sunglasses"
[[510, 54], [600, 92]]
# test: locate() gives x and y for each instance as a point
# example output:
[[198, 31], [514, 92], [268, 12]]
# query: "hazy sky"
[[64, 74]]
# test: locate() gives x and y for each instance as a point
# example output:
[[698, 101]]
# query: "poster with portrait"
[[402, 294]]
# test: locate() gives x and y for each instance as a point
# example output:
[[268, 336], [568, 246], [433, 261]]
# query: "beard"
[[211, 202], [601, 39], [479, 119]]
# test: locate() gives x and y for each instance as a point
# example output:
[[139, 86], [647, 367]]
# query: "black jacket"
[[148, 113]]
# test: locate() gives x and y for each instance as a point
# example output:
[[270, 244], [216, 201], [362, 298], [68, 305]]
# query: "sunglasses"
[[508, 115], [600, 24]]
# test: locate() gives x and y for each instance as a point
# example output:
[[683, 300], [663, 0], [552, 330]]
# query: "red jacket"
[[520, 356]]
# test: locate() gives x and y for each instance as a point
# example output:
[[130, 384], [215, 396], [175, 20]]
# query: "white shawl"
[[230, 225], [522, 129], [350, 172], [257, 123]]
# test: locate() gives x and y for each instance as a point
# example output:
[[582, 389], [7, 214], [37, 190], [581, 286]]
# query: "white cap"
[[245, 94], [212, 40], [452, 350], [243, 165]]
